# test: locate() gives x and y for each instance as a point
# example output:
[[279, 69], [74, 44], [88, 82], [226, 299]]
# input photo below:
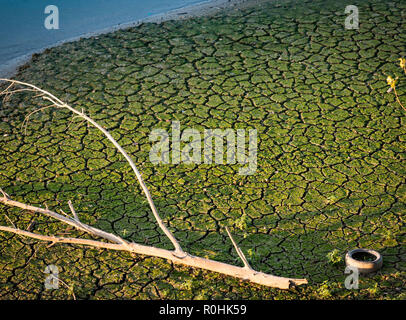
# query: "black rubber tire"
[[364, 266]]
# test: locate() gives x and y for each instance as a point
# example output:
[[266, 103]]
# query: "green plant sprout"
[[334, 256]]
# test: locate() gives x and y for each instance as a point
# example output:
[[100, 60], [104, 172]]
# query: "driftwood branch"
[[117, 243]]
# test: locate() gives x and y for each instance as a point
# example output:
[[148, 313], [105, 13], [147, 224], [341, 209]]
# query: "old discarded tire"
[[354, 258]]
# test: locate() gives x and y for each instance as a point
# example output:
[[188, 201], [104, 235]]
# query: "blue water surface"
[[22, 29]]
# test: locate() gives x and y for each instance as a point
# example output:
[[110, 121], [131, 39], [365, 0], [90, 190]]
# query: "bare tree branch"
[[58, 103], [177, 255], [55, 240], [189, 260], [67, 220]]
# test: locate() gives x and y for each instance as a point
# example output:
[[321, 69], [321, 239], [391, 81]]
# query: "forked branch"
[[117, 243]]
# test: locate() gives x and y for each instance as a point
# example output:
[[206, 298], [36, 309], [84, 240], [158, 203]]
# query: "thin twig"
[[6, 90], [64, 213], [68, 287], [27, 118], [17, 90], [5, 195], [9, 220], [71, 121], [398, 100], [72, 209], [239, 251]]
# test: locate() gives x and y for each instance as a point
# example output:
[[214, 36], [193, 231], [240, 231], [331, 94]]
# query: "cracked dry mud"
[[331, 146]]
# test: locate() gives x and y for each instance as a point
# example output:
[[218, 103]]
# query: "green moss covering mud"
[[331, 153]]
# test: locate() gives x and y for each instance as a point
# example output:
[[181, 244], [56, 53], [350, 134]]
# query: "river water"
[[23, 31]]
